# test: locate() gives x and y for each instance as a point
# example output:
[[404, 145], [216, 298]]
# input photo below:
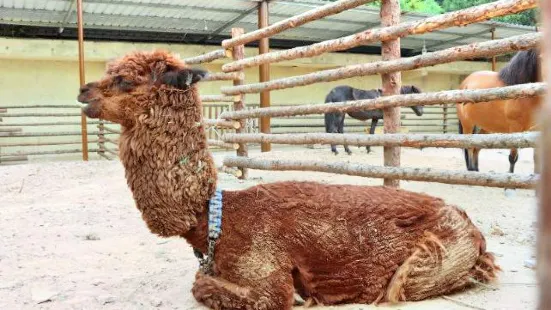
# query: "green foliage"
[[523, 18], [434, 7]]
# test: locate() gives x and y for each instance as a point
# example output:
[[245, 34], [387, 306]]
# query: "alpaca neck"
[[170, 171]]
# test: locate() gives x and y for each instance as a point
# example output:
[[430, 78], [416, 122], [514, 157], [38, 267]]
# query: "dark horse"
[[501, 116], [334, 122]]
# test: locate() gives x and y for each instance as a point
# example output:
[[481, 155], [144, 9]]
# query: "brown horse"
[[501, 116]]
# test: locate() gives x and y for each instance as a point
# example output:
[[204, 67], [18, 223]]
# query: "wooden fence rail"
[[457, 18], [207, 57], [448, 96], [295, 21], [217, 98], [503, 180], [483, 49], [221, 76], [488, 141]]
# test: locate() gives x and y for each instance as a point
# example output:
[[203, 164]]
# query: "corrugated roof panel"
[[201, 16]]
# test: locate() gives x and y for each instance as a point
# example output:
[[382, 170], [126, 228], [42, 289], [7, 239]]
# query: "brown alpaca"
[[330, 243]]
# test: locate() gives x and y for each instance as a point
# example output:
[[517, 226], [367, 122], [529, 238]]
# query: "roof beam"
[[68, 14], [210, 9], [228, 24]]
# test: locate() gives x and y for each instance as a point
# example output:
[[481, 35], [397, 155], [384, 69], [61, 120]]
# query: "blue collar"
[[214, 231]]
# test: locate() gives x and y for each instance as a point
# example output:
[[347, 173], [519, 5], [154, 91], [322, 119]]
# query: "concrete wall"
[[45, 72]]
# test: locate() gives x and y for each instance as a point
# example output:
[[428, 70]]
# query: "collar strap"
[[214, 231]]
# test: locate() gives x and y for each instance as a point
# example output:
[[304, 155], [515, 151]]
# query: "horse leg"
[[341, 130], [513, 157], [332, 121], [465, 128], [536, 160], [474, 159], [374, 122]]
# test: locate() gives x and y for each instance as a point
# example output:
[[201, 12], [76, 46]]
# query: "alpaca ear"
[[182, 78]]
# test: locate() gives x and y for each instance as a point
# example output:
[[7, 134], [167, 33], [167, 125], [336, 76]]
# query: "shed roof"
[[208, 22]]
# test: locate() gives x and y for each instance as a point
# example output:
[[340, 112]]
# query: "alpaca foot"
[[220, 294]]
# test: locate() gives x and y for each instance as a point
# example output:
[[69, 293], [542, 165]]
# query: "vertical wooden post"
[[544, 230], [264, 72], [83, 125], [493, 31], [390, 15], [238, 52]]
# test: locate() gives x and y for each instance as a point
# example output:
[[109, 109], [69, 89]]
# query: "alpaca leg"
[[272, 293], [434, 268]]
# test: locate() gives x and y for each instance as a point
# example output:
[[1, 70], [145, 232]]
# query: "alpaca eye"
[[123, 84]]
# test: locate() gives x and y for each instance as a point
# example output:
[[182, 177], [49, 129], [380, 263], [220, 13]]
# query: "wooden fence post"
[[264, 71], [544, 225], [390, 16], [238, 52]]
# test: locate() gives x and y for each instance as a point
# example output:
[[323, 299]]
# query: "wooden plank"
[[494, 141], [457, 18], [469, 51]]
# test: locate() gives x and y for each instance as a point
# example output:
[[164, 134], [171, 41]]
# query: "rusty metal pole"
[[264, 71], [544, 225], [493, 31], [83, 125], [390, 15]]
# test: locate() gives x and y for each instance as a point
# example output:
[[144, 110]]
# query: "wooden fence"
[[389, 68]]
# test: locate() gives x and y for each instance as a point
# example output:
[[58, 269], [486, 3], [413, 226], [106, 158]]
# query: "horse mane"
[[523, 68]]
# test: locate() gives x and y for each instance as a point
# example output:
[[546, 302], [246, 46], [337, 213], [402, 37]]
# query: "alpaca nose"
[[86, 87]]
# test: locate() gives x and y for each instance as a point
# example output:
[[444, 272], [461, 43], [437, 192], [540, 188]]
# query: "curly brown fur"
[[331, 244]]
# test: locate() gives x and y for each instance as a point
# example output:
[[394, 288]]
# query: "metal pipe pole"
[[264, 71], [83, 125]]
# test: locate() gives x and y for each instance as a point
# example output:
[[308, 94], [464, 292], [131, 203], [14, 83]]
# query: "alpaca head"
[[124, 93]]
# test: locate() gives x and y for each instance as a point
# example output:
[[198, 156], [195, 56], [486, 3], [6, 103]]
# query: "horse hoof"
[[349, 153]]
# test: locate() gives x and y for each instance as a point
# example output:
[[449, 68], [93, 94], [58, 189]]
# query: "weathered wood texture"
[[544, 216], [448, 96], [216, 98], [391, 81], [295, 21], [235, 172], [504, 180], [457, 18], [221, 123], [487, 141], [222, 144], [484, 49], [207, 57], [264, 71], [238, 52], [221, 76]]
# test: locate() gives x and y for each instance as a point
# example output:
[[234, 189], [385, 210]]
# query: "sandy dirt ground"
[[71, 238]]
